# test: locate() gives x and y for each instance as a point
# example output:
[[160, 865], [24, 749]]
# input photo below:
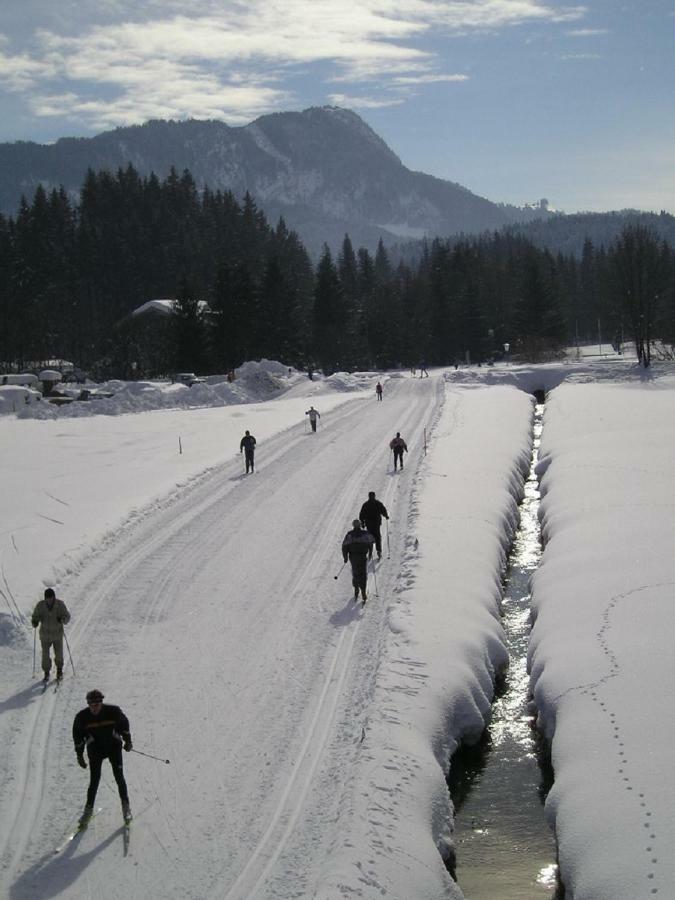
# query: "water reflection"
[[505, 849]]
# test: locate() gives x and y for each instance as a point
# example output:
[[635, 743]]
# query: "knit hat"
[[356, 523], [94, 696]]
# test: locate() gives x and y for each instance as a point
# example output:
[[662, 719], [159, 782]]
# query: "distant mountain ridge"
[[324, 170]]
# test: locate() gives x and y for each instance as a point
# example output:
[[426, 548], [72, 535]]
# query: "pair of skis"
[[48, 683], [83, 824]]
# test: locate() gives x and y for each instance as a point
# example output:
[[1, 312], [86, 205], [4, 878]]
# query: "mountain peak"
[[323, 169]]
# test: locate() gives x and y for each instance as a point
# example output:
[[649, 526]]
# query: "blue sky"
[[514, 99]]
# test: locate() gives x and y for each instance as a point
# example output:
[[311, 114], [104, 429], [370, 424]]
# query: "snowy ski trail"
[[178, 619]]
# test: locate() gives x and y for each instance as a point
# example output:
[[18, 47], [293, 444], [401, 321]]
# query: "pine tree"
[[328, 314]]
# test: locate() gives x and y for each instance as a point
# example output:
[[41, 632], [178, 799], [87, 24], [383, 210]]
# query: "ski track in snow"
[[227, 583]]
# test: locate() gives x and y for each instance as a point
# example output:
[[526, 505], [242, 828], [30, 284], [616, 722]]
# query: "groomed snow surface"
[[308, 738]]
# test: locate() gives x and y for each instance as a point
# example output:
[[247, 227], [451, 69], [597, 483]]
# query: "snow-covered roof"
[[161, 307]]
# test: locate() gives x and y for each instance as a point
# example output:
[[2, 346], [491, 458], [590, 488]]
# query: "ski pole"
[[341, 568], [34, 637], [375, 579], [69, 653], [150, 756], [388, 547]]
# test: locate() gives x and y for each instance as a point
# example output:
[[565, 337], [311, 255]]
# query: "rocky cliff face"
[[324, 170]]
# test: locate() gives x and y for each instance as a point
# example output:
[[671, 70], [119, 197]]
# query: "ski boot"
[[59, 673], [46, 678], [356, 594], [87, 813], [126, 812], [364, 597]]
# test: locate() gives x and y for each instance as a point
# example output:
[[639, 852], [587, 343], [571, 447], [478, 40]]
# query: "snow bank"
[[601, 648], [255, 382]]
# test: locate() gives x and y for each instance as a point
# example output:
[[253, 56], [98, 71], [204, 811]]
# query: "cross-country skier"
[[51, 615], [102, 730], [371, 519], [398, 445], [247, 446], [313, 416], [378, 390], [357, 546]]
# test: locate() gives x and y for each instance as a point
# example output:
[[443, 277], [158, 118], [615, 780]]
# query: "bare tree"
[[639, 266]]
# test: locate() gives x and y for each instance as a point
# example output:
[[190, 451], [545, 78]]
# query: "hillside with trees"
[[71, 275]]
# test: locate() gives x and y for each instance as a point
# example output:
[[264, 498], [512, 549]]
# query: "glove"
[[35, 623], [59, 620], [128, 746], [81, 761]]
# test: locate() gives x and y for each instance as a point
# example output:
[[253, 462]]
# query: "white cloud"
[[429, 79], [226, 58], [353, 102], [587, 32]]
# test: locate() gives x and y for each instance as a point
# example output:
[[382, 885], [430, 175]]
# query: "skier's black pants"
[[374, 529], [95, 763], [398, 455], [359, 571], [249, 459], [313, 424]]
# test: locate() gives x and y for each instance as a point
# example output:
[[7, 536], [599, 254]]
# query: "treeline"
[[72, 273]]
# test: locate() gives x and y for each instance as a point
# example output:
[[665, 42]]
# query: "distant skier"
[[378, 390], [313, 416], [371, 515], [423, 370], [357, 547], [247, 446], [399, 446], [51, 615], [102, 730]]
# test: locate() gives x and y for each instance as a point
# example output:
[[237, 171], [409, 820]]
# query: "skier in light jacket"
[[51, 615]]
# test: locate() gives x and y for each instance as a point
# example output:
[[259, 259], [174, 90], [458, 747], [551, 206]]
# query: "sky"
[[515, 99], [314, 733]]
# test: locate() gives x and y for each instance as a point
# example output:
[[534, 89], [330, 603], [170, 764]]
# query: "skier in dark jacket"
[[102, 730], [357, 546], [371, 515], [247, 445], [398, 445], [313, 414], [378, 390], [51, 615]]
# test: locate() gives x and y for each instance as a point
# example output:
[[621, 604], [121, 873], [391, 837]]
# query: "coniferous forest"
[[72, 273]]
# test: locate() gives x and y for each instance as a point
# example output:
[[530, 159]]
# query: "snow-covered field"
[[308, 738]]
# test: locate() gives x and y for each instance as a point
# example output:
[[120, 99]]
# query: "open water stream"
[[505, 848]]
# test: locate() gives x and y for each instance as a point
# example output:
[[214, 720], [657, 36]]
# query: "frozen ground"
[[307, 737]]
